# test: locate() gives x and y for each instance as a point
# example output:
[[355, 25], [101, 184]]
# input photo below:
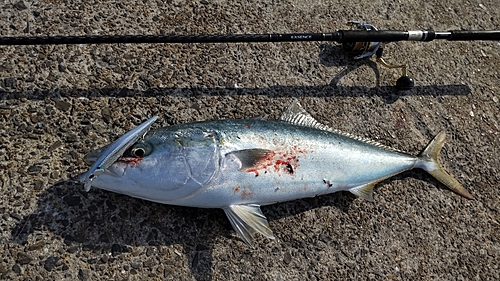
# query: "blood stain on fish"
[[236, 189], [247, 194], [279, 161], [131, 161]]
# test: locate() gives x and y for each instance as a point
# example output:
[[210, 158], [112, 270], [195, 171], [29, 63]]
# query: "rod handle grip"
[[472, 35]]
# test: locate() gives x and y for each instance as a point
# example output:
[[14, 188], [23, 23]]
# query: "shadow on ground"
[[329, 56], [387, 93]]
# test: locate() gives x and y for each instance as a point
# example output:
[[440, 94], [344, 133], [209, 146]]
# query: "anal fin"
[[247, 220], [364, 191]]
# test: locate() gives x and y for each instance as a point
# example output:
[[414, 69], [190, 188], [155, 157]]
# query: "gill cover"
[[191, 162]]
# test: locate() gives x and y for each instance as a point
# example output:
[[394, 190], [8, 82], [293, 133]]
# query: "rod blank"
[[341, 36]]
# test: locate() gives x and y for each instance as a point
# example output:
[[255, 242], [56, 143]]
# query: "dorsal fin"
[[297, 115]]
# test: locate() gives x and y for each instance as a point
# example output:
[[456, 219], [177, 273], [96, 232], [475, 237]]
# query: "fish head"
[[161, 167], [114, 151]]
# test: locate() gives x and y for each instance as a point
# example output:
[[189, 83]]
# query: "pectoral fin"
[[252, 158], [247, 220]]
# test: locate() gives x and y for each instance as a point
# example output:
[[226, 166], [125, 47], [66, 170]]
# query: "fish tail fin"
[[430, 163]]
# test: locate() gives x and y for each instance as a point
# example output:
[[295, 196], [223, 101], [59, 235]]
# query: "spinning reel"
[[362, 50]]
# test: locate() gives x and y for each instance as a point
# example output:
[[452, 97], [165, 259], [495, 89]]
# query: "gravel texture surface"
[[57, 103]]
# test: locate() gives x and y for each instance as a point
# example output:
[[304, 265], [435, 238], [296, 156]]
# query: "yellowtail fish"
[[240, 165]]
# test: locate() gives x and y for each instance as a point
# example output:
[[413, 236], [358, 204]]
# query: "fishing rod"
[[362, 41]]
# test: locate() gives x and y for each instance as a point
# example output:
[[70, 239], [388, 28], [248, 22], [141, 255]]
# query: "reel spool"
[[362, 50]]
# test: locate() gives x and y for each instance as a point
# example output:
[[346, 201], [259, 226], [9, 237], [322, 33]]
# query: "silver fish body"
[[239, 165]]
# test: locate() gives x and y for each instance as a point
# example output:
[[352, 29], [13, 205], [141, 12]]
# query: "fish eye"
[[140, 150]]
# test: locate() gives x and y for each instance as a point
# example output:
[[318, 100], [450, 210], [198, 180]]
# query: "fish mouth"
[[92, 156], [117, 169]]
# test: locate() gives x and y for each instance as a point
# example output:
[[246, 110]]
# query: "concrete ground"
[[57, 103]]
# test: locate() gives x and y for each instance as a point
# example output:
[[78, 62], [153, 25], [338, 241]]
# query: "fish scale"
[[239, 165]]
